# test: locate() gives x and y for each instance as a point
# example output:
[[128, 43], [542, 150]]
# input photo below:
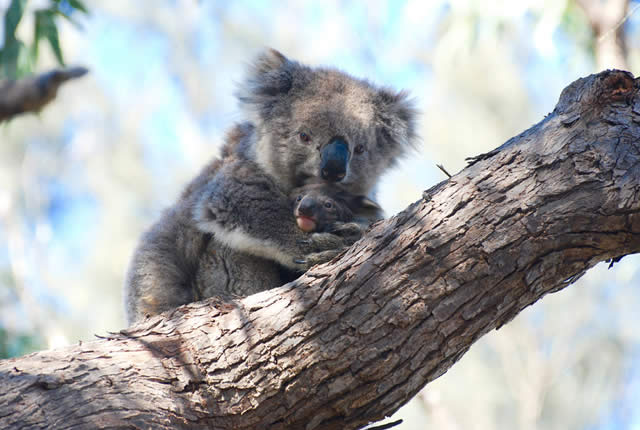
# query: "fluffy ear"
[[396, 117], [268, 61], [268, 77]]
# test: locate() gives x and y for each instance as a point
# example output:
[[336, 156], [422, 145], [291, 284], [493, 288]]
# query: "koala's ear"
[[396, 121], [268, 61], [269, 77]]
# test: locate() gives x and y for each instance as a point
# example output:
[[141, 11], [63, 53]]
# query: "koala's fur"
[[227, 234]]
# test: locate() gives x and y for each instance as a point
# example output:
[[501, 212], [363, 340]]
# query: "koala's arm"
[[245, 210]]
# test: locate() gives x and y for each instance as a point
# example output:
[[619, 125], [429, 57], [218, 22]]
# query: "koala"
[[227, 234]]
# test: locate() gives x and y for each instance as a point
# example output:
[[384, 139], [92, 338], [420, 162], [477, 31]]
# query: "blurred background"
[[81, 181]]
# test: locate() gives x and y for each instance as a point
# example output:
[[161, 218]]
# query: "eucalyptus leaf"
[[46, 29], [12, 18], [78, 5]]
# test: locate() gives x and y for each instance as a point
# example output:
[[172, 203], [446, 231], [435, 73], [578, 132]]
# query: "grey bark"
[[353, 340]]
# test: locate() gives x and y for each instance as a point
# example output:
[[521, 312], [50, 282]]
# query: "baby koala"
[[326, 208]]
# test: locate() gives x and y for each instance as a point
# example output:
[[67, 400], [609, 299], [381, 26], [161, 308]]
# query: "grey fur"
[[232, 232]]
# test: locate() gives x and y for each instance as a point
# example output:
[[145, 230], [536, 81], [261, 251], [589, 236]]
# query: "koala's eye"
[[304, 137], [299, 198], [328, 205], [359, 149]]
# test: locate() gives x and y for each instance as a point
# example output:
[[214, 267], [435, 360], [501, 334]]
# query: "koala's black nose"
[[334, 158]]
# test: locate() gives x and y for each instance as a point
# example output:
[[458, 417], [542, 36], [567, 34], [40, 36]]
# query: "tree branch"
[[353, 340], [32, 93]]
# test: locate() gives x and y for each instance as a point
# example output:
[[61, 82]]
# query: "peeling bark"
[[353, 340], [33, 93]]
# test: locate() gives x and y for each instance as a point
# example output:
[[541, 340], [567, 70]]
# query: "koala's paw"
[[320, 242], [319, 248], [350, 232], [312, 259]]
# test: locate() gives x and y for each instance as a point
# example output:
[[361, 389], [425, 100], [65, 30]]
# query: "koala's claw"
[[298, 261]]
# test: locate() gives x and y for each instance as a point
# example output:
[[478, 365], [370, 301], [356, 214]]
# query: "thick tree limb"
[[353, 340], [31, 94]]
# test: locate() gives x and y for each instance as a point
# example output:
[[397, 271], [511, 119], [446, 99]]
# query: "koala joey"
[[326, 208], [304, 125]]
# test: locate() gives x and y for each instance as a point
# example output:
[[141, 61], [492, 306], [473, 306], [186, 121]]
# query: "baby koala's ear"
[[367, 210], [366, 203]]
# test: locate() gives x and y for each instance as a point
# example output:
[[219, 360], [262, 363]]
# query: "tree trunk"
[[353, 340], [607, 19]]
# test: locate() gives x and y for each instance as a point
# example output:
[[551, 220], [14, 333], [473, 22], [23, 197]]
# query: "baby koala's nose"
[[306, 208]]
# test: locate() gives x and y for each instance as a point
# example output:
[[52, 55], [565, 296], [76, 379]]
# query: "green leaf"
[[46, 28], [78, 5], [12, 18], [14, 60], [11, 49], [24, 65], [54, 41], [37, 35]]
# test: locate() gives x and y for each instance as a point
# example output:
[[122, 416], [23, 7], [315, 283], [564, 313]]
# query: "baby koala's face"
[[317, 207]]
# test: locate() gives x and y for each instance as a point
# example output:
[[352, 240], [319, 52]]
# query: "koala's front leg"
[[245, 209]]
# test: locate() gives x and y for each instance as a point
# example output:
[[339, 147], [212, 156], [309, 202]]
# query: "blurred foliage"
[[576, 24], [16, 58], [15, 345]]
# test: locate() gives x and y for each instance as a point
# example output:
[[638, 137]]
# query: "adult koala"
[[305, 125]]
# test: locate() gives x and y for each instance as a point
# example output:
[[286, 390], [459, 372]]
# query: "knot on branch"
[[597, 91]]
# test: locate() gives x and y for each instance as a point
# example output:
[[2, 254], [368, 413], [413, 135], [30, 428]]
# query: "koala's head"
[[317, 206], [321, 124]]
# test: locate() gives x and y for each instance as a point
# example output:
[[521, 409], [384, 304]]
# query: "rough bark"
[[33, 93], [353, 340]]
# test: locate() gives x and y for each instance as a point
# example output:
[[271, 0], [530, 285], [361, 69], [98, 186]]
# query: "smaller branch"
[[385, 426], [441, 167], [619, 24], [32, 93]]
